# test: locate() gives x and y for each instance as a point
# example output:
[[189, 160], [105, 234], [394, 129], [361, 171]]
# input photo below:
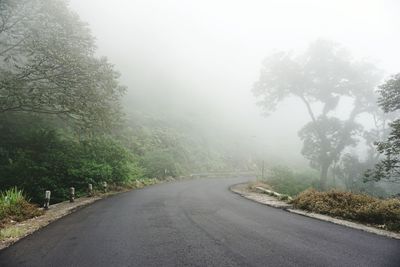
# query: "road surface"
[[196, 223]]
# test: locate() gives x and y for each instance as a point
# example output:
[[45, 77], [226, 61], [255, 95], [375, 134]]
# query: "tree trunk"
[[323, 176]]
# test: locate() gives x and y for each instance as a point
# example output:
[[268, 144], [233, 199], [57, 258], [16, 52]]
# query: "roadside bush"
[[103, 159], [160, 164], [347, 205], [36, 157], [285, 181], [14, 206]]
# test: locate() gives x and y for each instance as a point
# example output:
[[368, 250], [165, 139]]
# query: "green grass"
[[11, 197], [14, 206], [11, 232]]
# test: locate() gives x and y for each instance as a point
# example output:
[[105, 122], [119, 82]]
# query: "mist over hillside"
[[196, 62]]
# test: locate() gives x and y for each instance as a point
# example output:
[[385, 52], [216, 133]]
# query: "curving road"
[[196, 223]]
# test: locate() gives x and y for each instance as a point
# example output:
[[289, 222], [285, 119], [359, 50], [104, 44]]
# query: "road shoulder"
[[20, 230], [242, 190]]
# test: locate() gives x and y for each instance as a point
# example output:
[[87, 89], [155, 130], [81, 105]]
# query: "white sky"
[[241, 31]]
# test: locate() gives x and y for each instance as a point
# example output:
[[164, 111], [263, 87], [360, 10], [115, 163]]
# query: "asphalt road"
[[196, 223]]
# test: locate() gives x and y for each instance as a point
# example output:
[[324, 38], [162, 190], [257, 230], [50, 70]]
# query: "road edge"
[[32, 225], [235, 189], [79, 203]]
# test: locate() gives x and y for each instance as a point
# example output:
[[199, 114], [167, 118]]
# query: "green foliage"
[[14, 206], [11, 197], [285, 181], [106, 159], [390, 94], [349, 174], [389, 168], [50, 68], [36, 157], [50, 65], [160, 164], [161, 145], [352, 206], [333, 130]]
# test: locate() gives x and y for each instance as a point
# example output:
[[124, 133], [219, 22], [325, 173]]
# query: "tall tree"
[[389, 168], [48, 64], [324, 74]]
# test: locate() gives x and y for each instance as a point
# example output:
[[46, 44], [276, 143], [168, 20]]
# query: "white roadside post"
[[105, 187], [71, 194], [90, 189], [47, 199]]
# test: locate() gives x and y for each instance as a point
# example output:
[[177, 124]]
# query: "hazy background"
[[198, 60]]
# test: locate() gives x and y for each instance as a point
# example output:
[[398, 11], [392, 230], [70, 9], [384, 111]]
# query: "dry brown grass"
[[17, 212], [358, 207]]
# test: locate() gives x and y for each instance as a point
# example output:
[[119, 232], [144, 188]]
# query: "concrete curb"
[[287, 207], [259, 198]]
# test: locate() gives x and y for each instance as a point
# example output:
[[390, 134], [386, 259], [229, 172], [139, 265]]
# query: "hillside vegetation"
[[14, 206]]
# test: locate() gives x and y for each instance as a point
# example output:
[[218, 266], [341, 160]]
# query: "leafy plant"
[[36, 157], [14, 206], [286, 181], [11, 197]]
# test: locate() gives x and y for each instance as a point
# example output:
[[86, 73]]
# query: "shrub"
[[11, 197], [14, 206], [47, 159], [347, 205], [160, 164], [285, 181]]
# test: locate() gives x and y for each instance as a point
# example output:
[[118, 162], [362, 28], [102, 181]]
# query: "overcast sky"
[[234, 35], [210, 51]]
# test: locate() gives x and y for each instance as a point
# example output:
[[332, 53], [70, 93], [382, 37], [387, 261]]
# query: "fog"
[[292, 104], [199, 59]]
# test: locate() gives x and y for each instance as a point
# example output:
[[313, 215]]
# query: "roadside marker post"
[[47, 199], [71, 194], [105, 187], [90, 189]]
